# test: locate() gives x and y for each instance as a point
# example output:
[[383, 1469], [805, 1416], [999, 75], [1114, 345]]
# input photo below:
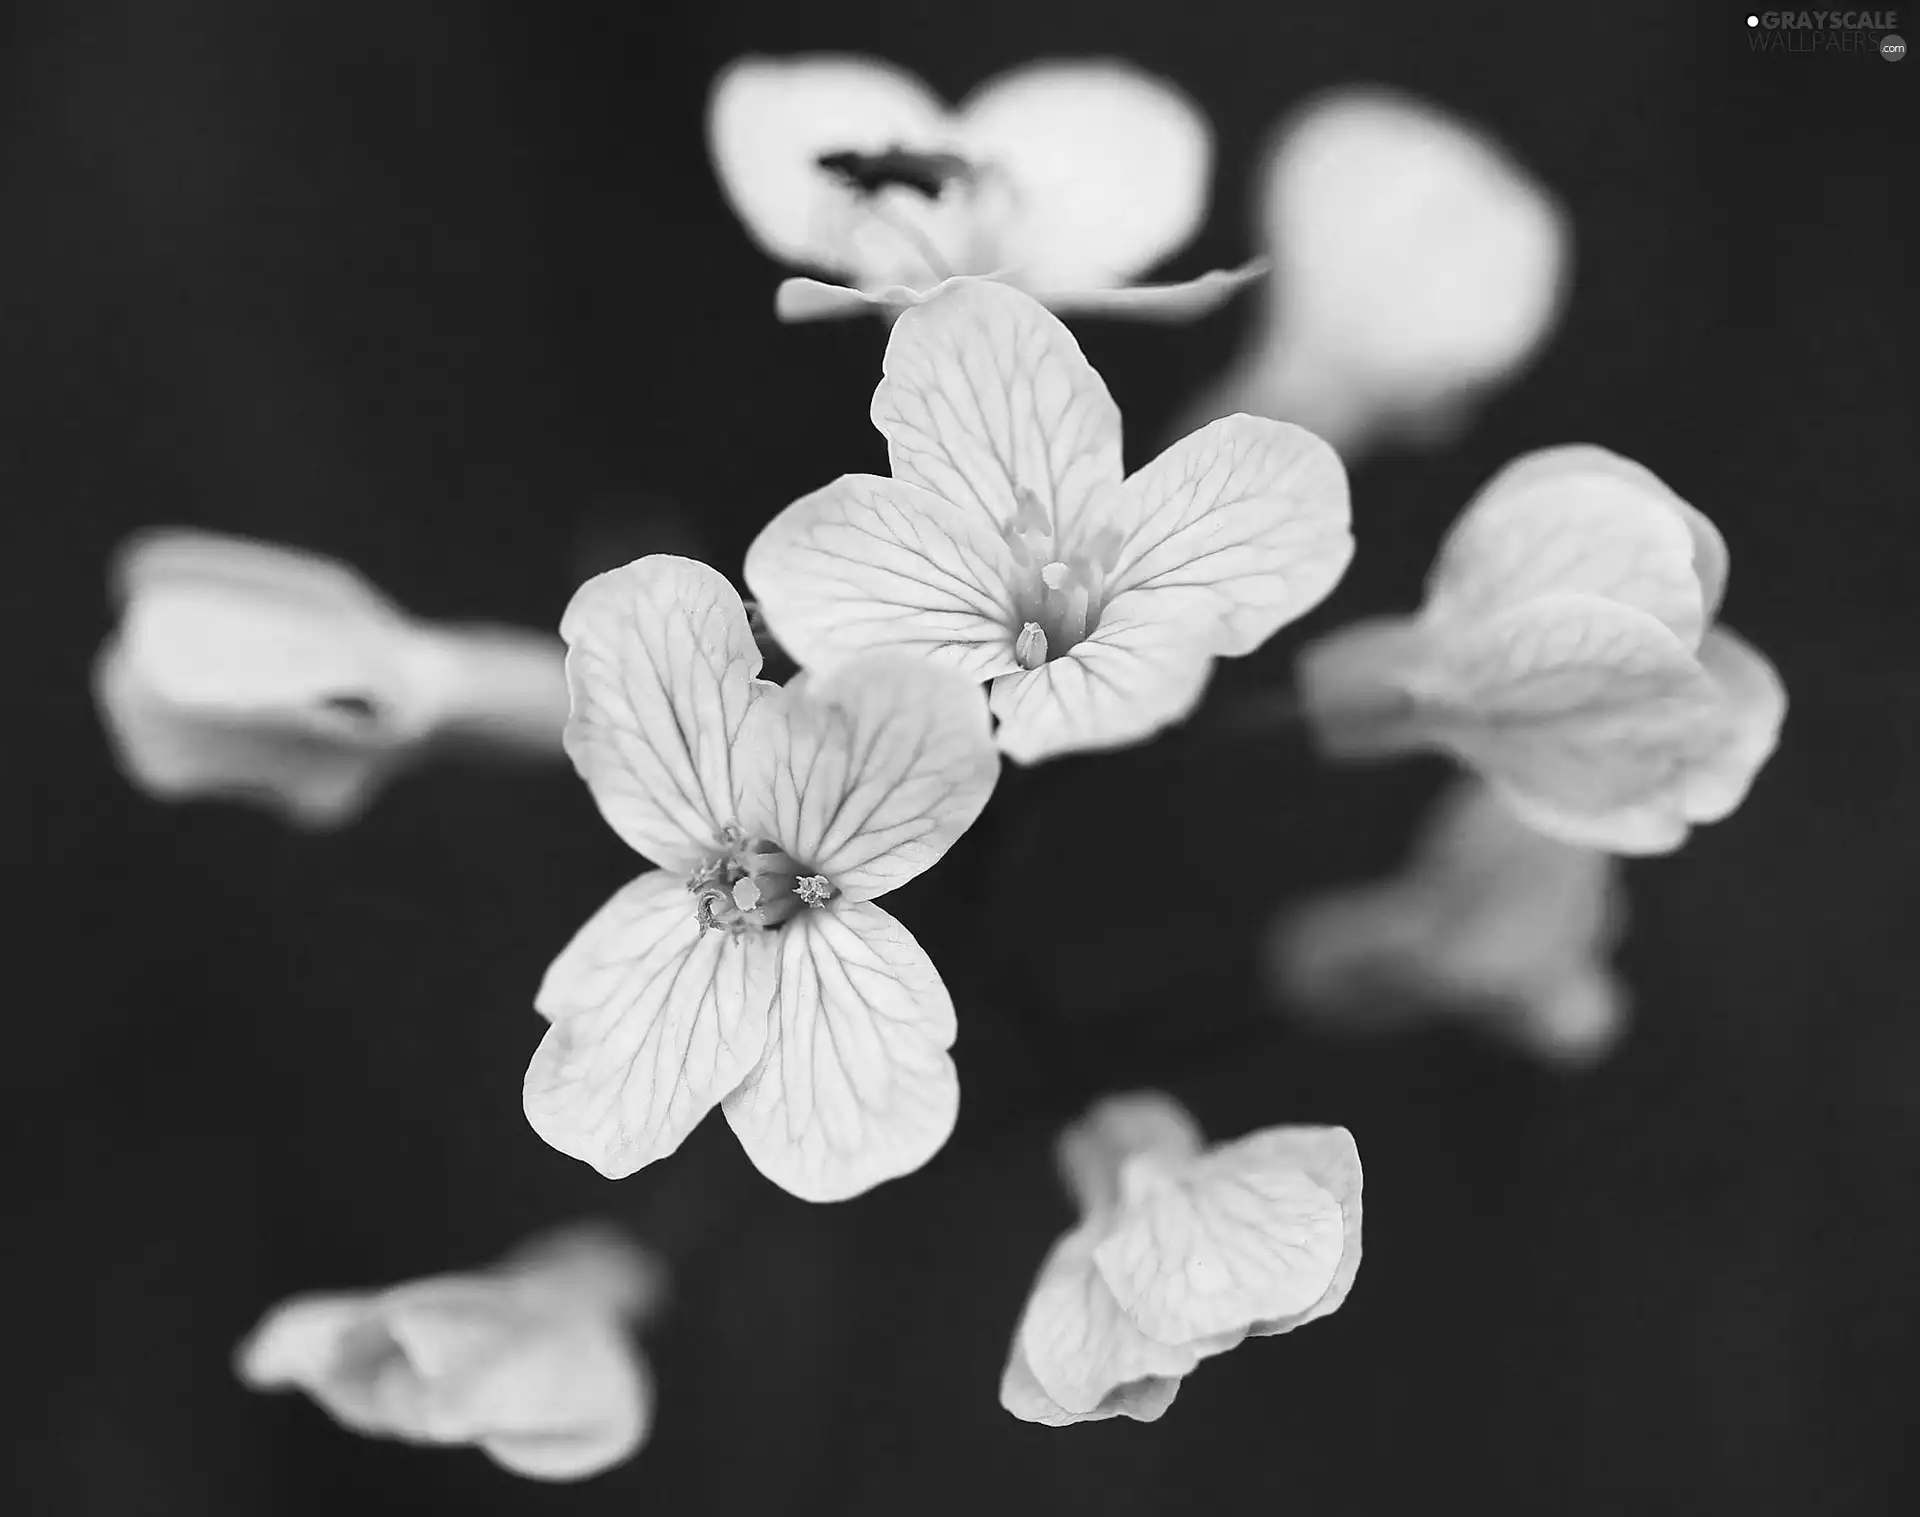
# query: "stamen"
[[1066, 603], [710, 907], [747, 885], [1074, 623], [1030, 648], [813, 889]]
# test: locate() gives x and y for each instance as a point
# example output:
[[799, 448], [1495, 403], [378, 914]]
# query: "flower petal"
[[1753, 709], [1245, 1237], [227, 624], [1573, 1023], [569, 1400], [1656, 823], [313, 779], [816, 300], [339, 1350], [769, 120], [1586, 705], [548, 1386], [1493, 920], [1184, 300], [870, 773], [1240, 527], [1329, 1158], [1355, 956], [661, 664], [1112, 168], [587, 1266], [1412, 256], [1083, 1352], [653, 1021], [985, 393], [1356, 687], [1572, 520], [869, 564], [1091, 1151], [297, 1342], [855, 1086], [1118, 687], [1512, 909], [1024, 1396]]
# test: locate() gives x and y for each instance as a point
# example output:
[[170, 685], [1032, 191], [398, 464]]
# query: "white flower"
[[1415, 266], [1182, 1252], [244, 670], [1567, 653], [530, 1359], [1008, 545], [751, 970], [1489, 922], [1068, 179]]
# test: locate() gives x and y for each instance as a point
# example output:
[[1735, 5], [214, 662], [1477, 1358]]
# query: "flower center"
[[1058, 597], [749, 884], [916, 216]]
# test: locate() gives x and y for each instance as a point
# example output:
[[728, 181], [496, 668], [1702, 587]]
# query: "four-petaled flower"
[[255, 672], [1009, 546], [752, 970], [1490, 922], [1415, 266], [1182, 1252], [1067, 179], [532, 1359], [1567, 653]]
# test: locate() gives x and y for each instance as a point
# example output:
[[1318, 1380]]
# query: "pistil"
[[750, 884], [1060, 602]]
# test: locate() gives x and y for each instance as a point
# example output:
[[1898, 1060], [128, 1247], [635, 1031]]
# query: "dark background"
[[449, 292]]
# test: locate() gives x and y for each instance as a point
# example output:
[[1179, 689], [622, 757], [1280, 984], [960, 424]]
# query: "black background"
[[449, 292]]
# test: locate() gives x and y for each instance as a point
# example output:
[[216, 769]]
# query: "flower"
[[1415, 266], [529, 1359], [1489, 922], [1568, 654], [1182, 1252], [1066, 178], [1007, 544], [752, 969], [245, 670]]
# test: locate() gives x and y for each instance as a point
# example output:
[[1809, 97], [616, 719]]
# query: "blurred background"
[[449, 292]]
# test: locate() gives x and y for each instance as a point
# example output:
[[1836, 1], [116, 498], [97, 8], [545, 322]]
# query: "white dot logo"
[[1753, 21]]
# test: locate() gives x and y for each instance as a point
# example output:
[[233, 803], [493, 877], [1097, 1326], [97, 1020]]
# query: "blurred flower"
[[1566, 653], [1490, 922], [1068, 179], [267, 674], [1414, 267], [1008, 546], [752, 970], [530, 1359], [1182, 1252]]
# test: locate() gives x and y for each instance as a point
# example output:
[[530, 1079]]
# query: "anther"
[[813, 889], [1030, 648]]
